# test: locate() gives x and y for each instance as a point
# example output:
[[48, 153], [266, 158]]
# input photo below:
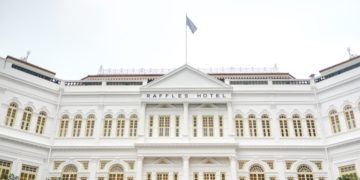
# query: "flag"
[[191, 25]]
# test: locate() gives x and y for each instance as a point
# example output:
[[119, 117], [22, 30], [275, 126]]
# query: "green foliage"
[[9, 177], [347, 177]]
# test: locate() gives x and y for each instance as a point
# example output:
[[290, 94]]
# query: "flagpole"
[[185, 39]]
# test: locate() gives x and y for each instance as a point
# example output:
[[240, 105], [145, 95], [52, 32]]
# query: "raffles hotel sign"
[[183, 96]]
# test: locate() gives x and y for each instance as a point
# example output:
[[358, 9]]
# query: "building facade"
[[185, 124]]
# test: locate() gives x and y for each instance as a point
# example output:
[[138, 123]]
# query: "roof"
[[145, 76], [338, 64], [29, 64]]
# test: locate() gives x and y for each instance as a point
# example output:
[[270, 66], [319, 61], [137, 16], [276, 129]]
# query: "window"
[[208, 126], [11, 114], [177, 126], [194, 126], [265, 125], [130, 178], [256, 172], [349, 116], [5, 167], [148, 176], [164, 126], [348, 170], [69, 173], [107, 125], [252, 125], [334, 120], [151, 126], [116, 173], [304, 173], [297, 125], [28, 172], [310, 123], [133, 125], [196, 176], [120, 127], [77, 125], [90, 123], [64, 125], [40, 124], [162, 176], [221, 126], [209, 176], [283, 126], [176, 176], [239, 124], [223, 176], [25, 123]]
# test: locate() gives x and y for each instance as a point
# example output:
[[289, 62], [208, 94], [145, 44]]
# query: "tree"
[[347, 177], [9, 177]]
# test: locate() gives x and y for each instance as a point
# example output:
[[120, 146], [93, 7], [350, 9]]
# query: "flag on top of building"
[[191, 25]]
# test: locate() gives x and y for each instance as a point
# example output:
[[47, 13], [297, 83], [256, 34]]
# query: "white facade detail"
[[183, 125]]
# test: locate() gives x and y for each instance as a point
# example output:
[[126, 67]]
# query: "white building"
[[226, 124]]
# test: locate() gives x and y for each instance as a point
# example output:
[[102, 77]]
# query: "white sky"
[[74, 37]]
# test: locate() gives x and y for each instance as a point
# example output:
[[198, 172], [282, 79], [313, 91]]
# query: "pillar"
[[231, 123], [185, 122], [139, 167], [186, 167], [233, 169]]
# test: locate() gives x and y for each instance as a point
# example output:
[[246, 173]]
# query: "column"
[[231, 123], [18, 119], [69, 132], [281, 169], [186, 172], [99, 123], [33, 122], [185, 122], [233, 169], [92, 168], [16, 167], [142, 120], [139, 168]]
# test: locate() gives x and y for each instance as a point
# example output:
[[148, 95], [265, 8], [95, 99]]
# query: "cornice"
[[35, 86]]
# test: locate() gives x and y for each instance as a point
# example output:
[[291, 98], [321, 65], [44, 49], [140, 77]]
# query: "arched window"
[[77, 125], [116, 173], [252, 125], [304, 173], [349, 116], [11, 114], [25, 123], [120, 127], [69, 172], [297, 125], [40, 124], [265, 122], [257, 172], [283, 125], [107, 125], [239, 124], [64, 124], [334, 120], [133, 125], [310, 123], [90, 123]]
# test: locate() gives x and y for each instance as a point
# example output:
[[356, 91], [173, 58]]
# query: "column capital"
[[140, 158], [232, 158], [185, 158]]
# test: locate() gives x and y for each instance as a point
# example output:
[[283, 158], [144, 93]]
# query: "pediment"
[[162, 161], [209, 161], [187, 77]]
